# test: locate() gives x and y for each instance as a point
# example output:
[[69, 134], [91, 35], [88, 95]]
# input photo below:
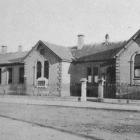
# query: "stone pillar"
[[101, 89], [83, 89]]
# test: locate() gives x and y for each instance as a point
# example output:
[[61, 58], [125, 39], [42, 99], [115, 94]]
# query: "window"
[[95, 74], [42, 82], [137, 66], [89, 75], [92, 74], [38, 69], [46, 69], [21, 75], [10, 70], [137, 71], [0, 76]]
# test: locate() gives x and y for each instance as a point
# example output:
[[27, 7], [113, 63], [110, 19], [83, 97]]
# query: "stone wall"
[[124, 73], [65, 79], [54, 73]]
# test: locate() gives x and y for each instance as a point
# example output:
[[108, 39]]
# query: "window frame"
[[136, 66], [38, 73], [21, 78], [0, 76], [46, 75], [10, 75], [135, 71], [90, 72]]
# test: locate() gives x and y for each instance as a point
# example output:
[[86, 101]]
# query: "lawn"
[[97, 124]]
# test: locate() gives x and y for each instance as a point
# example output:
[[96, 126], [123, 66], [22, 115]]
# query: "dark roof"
[[100, 51], [15, 57], [18, 57], [62, 52], [91, 52]]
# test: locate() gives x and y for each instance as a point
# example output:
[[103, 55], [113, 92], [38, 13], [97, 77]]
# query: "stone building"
[[40, 71], [53, 70]]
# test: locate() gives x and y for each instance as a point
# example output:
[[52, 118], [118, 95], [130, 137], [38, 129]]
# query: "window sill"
[[136, 78], [136, 81]]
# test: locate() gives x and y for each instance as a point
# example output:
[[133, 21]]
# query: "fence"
[[111, 90]]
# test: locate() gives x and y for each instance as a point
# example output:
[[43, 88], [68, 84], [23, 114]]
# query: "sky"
[[24, 22]]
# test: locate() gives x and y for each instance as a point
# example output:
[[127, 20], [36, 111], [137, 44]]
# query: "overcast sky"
[[24, 22]]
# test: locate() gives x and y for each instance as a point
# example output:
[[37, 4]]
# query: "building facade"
[[53, 70]]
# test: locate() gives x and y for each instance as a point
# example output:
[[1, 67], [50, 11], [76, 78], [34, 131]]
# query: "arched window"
[[38, 69], [46, 69], [137, 66]]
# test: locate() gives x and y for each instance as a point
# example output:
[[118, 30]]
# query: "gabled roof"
[[18, 57], [92, 52], [102, 51], [97, 52], [14, 57], [61, 51]]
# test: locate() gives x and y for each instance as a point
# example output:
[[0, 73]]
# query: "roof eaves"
[[128, 43], [30, 51], [101, 60]]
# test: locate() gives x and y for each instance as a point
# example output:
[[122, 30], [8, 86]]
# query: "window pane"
[[88, 71], [95, 74], [137, 66], [21, 75], [89, 77], [137, 72], [38, 69], [0, 76], [46, 69], [9, 75]]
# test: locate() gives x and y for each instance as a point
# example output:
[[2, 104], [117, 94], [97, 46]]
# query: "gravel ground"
[[95, 124], [16, 130]]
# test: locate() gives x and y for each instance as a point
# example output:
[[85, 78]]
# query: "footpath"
[[108, 104]]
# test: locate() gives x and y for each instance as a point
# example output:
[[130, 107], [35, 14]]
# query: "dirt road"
[[93, 123], [16, 130]]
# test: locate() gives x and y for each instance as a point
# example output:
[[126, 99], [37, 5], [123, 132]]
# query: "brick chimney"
[[3, 49], [20, 48], [80, 41]]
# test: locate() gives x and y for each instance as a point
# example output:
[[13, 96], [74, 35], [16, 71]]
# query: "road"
[[17, 130], [88, 123]]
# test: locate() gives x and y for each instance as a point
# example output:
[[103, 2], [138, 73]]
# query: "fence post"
[[83, 89], [101, 90]]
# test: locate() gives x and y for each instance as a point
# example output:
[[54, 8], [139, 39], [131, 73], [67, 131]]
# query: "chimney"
[[3, 49], [107, 39], [80, 42], [20, 48]]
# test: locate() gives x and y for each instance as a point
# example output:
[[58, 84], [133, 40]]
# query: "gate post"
[[101, 90], [83, 89]]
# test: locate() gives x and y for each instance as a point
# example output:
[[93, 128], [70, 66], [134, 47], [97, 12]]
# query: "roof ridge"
[[54, 44]]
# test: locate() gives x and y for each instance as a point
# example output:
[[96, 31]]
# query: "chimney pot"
[[80, 42], [20, 48], [107, 38], [4, 49]]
